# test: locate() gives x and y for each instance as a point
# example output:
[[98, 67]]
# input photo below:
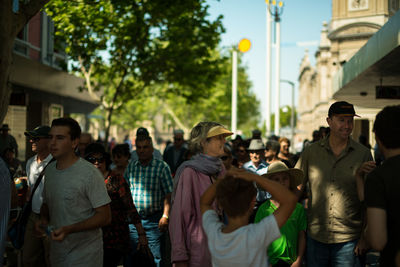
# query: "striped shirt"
[[149, 185]]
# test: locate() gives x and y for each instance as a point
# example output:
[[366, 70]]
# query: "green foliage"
[[125, 47], [285, 114], [214, 104]]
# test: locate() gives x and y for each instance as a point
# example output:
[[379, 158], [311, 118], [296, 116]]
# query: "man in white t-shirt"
[[36, 249], [239, 243], [75, 202]]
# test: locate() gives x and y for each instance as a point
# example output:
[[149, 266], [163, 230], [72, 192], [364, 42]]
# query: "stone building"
[[353, 24]]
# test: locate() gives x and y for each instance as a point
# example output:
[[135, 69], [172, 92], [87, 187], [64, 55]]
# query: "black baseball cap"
[[342, 108], [40, 131]]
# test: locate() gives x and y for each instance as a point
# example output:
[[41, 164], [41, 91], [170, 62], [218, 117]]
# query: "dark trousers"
[[281, 263], [112, 257]]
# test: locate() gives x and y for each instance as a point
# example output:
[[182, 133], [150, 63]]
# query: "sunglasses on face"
[[224, 158], [242, 151], [36, 139], [93, 160], [178, 139]]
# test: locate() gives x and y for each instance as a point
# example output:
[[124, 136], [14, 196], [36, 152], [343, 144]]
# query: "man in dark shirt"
[[382, 188], [174, 154]]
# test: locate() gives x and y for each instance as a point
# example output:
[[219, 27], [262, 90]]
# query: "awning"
[[376, 63]]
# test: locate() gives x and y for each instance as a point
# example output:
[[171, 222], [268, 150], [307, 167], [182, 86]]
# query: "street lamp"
[[276, 11], [243, 46], [292, 113], [268, 72]]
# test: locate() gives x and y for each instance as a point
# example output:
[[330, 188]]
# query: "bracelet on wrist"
[[165, 216]]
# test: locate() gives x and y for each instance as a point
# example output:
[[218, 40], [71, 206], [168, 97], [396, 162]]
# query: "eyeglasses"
[[93, 160], [224, 158]]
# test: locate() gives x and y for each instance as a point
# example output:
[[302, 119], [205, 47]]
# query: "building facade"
[[353, 23], [42, 89]]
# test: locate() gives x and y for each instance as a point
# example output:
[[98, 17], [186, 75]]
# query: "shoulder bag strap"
[[39, 179]]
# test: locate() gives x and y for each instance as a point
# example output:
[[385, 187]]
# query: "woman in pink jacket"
[[193, 177]]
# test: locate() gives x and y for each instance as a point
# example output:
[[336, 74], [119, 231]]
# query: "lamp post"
[[276, 11], [268, 71], [244, 46], [292, 111]]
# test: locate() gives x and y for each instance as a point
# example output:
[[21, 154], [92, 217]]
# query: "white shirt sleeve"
[[211, 223]]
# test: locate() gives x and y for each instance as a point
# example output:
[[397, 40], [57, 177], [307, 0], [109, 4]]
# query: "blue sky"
[[301, 21]]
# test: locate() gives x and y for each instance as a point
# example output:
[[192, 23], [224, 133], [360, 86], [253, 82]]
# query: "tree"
[[125, 47], [285, 114], [214, 104], [10, 25]]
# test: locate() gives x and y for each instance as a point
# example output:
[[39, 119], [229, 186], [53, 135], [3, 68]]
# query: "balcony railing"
[[53, 59]]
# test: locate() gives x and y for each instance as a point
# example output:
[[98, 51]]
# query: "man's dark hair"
[[141, 138], [273, 145], [387, 126], [121, 149], [73, 125], [235, 195]]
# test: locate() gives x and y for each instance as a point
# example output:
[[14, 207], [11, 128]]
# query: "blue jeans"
[[154, 237], [331, 255]]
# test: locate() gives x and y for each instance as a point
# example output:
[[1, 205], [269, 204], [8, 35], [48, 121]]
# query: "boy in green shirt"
[[288, 250]]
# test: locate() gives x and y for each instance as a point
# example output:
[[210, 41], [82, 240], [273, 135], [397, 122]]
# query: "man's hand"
[[163, 224], [59, 234], [361, 247], [365, 168], [39, 227]]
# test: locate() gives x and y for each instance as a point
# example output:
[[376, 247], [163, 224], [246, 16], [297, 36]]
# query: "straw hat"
[[296, 175]]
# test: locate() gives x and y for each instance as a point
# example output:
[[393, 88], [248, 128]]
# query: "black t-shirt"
[[382, 190]]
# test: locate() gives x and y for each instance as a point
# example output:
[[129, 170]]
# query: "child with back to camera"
[[239, 243]]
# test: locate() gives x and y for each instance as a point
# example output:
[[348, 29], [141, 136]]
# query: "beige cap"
[[296, 175], [218, 130]]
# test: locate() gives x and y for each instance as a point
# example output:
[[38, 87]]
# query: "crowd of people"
[[206, 201]]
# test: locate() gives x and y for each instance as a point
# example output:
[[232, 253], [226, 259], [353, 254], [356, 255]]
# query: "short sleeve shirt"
[[284, 248], [382, 188], [33, 170], [72, 194], [334, 210], [149, 185], [245, 246]]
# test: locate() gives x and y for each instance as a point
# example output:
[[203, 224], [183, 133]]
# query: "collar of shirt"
[[350, 144], [45, 161], [151, 163], [251, 165]]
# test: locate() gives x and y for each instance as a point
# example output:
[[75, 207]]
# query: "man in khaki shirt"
[[330, 168]]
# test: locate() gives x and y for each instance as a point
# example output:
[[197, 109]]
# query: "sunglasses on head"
[[93, 160]]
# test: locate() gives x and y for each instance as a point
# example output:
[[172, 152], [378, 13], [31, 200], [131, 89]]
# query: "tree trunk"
[[10, 25], [6, 44]]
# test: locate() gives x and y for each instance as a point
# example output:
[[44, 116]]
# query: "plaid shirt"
[[149, 185]]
